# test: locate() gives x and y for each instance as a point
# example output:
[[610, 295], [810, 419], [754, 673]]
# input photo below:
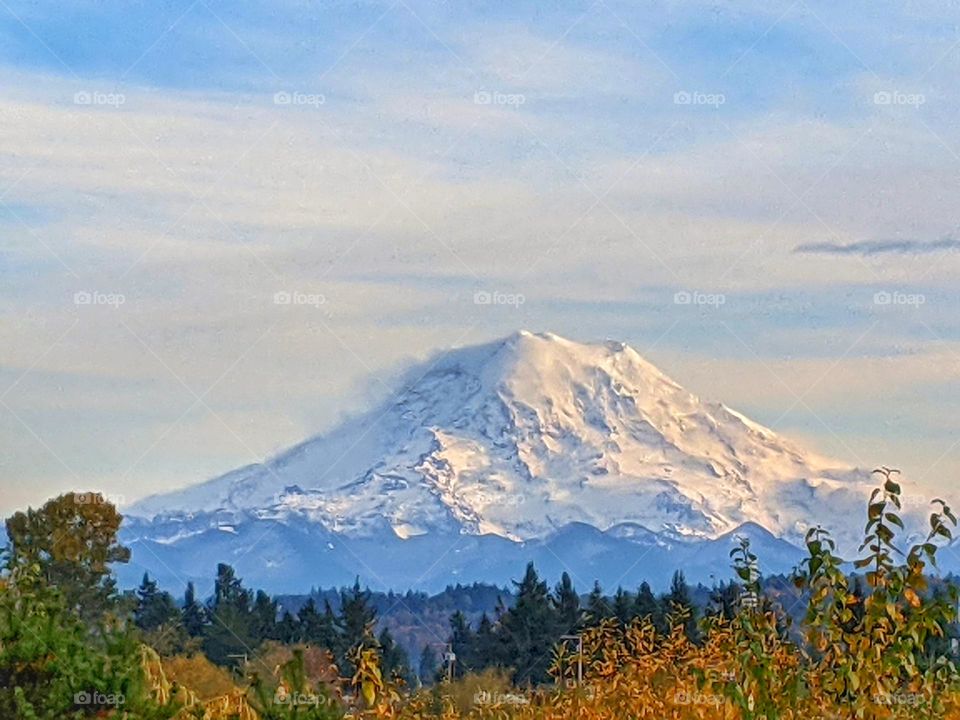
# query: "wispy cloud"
[[593, 157], [869, 248]]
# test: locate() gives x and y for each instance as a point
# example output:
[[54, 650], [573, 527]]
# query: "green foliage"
[[294, 697], [55, 665], [529, 630], [229, 635], [871, 649], [155, 608], [71, 540], [566, 604], [428, 666], [393, 659], [355, 626], [194, 614]]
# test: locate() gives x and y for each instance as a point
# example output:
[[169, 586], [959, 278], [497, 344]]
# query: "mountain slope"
[[519, 438]]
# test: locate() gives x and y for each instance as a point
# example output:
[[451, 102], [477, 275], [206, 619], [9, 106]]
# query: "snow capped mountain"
[[520, 439]]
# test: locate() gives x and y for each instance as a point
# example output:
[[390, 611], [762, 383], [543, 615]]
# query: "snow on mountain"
[[520, 437]]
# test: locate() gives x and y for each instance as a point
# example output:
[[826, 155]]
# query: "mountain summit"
[[522, 437]]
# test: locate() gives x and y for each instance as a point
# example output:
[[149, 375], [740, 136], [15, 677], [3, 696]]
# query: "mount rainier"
[[580, 457]]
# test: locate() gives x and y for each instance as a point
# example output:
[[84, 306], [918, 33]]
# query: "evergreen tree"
[[154, 606], [393, 658], [724, 600], [488, 650], [308, 622], [567, 605], [72, 539], [623, 606], [597, 606], [428, 666], [193, 612], [264, 620], [679, 604], [55, 665], [230, 632], [462, 644], [288, 629], [530, 629], [317, 628], [355, 623], [645, 605]]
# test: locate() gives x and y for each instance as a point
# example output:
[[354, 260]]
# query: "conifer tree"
[[645, 605], [264, 620], [678, 603], [462, 644], [488, 650], [154, 606], [230, 632], [597, 607], [623, 606], [72, 539], [393, 658], [567, 605], [530, 629], [428, 666], [193, 612], [355, 624]]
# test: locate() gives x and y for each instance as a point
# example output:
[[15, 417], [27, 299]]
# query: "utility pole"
[[449, 657]]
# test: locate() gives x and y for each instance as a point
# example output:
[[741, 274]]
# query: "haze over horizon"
[[225, 226]]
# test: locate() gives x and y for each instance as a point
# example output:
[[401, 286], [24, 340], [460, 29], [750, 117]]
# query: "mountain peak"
[[524, 435]]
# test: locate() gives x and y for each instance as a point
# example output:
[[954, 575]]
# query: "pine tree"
[[355, 623], [393, 658], [308, 622], [645, 605], [318, 628], [288, 629], [230, 632], [567, 605], [530, 629], [623, 606], [428, 666], [264, 620], [724, 600], [155, 608], [462, 644], [679, 604], [72, 540], [194, 614], [488, 650], [597, 606]]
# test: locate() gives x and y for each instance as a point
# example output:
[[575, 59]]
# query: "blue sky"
[[193, 159]]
